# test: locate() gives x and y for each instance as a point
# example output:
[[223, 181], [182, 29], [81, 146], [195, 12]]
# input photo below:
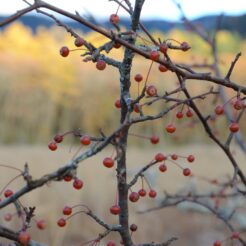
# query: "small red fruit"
[[52, 146], [58, 138], [163, 168], [133, 227], [142, 192], [235, 235], [8, 193], [111, 243], [179, 115], [151, 90], [68, 178], [217, 243], [162, 68], [101, 65], [163, 48], [108, 162], [78, 42], [219, 110], [238, 105], [170, 128], [85, 140], [152, 193], [24, 238], [154, 139], [136, 108], [234, 127], [186, 172], [115, 209], [190, 158], [67, 210], [78, 184], [138, 77], [184, 46], [114, 19], [117, 103], [41, 225], [189, 113], [61, 222], [160, 157], [154, 55], [134, 197], [8, 217], [174, 157], [117, 45], [64, 51]]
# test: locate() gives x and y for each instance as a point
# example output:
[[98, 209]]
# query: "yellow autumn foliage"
[[42, 93]]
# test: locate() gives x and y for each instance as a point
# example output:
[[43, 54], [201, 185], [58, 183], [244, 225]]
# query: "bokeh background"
[[42, 93]]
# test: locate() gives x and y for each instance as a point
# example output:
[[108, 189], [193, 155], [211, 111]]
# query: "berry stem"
[[11, 167], [147, 77], [13, 179]]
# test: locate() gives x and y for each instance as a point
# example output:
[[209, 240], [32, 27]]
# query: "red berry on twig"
[[64, 51]]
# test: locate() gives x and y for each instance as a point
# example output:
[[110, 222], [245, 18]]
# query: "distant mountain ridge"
[[231, 23]]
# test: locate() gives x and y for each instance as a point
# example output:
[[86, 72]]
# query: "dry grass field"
[[99, 191]]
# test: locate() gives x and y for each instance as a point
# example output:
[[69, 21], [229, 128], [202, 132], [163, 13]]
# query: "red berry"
[[117, 45], [58, 138], [41, 224], [179, 115], [115, 209], [117, 103], [64, 51], [152, 193], [174, 157], [52, 146], [138, 77], [8, 216], [85, 140], [184, 46], [186, 172], [235, 235], [67, 178], [101, 65], [142, 192], [162, 68], [133, 227], [108, 162], [219, 110], [8, 193], [217, 243], [163, 48], [238, 104], [170, 128], [61, 222], [190, 158], [67, 210], [114, 19], [163, 168], [134, 196], [160, 157], [189, 113], [111, 243], [154, 139], [79, 42], [78, 184], [234, 127], [154, 55], [151, 90], [24, 238], [136, 108]]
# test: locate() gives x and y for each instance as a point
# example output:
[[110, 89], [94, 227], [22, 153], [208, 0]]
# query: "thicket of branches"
[[179, 102]]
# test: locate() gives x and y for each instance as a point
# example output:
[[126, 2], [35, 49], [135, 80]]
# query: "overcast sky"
[[152, 9]]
